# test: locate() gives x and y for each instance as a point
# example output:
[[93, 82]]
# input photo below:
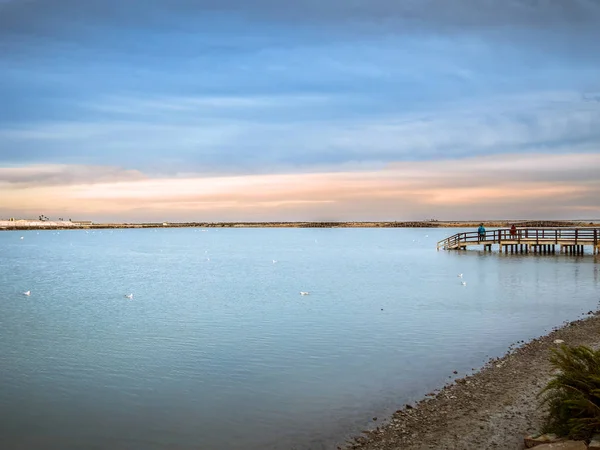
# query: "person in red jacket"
[[513, 231]]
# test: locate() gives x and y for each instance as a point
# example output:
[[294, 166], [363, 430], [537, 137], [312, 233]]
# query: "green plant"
[[573, 394]]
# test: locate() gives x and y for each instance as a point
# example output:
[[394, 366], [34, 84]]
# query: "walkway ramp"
[[525, 240]]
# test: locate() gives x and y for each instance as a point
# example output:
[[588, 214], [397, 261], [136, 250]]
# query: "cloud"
[[591, 97], [203, 106], [197, 29], [554, 186], [47, 175], [24, 15], [299, 139], [236, 87]]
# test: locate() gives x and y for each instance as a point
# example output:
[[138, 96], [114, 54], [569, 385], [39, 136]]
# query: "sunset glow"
[[412, 190]]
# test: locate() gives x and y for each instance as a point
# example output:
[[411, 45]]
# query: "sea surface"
[[218, 350]]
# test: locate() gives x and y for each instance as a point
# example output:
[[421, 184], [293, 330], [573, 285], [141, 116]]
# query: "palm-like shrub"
[[573, 394]]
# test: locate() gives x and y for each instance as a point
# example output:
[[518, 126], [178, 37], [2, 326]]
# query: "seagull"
[[129, 296], [274, 261], [28, 293], [459, 275], [304, 293], [22, 238], [464, 283]]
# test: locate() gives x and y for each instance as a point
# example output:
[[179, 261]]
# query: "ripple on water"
[[227, 354]]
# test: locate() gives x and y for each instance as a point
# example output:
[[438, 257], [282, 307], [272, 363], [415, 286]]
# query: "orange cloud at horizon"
[[507, 186]]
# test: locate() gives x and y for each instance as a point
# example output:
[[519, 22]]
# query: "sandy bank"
[[36, 225], [492, 409]]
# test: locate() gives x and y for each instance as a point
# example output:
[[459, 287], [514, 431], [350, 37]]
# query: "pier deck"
[[525, 240]]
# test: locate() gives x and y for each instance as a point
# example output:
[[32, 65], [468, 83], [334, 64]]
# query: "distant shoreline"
[[6, 225]]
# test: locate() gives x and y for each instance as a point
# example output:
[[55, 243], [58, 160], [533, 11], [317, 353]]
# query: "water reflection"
[[227, 354]]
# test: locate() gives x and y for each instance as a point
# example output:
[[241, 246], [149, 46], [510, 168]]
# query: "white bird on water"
[[274, 261], [304, 293], [464, 283], [459, 275], [22, 238], [28, 293], [129, 296]]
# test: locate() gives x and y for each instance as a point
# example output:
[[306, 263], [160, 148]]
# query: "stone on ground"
[[538, 439], [564, 445], [595, 442]]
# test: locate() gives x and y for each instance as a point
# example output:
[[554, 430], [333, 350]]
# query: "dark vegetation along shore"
[[494, 408], [53, 225]]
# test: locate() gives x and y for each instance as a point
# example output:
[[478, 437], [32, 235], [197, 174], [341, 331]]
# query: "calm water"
[[218, 350]]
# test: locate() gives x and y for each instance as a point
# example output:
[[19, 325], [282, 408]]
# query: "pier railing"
[[535, 236]]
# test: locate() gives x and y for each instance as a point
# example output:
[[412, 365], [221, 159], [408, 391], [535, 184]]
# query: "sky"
[[260, 110]]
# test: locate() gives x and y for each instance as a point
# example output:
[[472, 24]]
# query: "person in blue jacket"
[[481, 231]]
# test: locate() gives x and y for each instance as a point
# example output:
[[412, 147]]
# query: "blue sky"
[[186, 88]]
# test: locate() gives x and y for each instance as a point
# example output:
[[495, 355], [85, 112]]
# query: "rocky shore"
[[491, 409]]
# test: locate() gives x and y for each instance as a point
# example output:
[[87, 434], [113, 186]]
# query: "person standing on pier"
[[513, 231], [481, 231]]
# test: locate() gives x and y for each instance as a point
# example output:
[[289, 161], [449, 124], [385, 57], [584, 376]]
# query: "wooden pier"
[[571, 241]]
